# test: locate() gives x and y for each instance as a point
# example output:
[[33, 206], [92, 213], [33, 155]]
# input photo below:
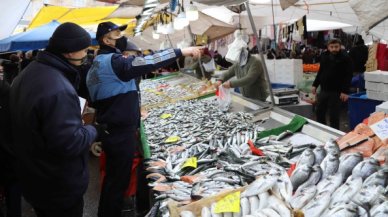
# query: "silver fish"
[[263, 197], [245, 206], [317, 205], [283, 187], [366, 168], [330, 183], [302, 197], [306, 158], [269, 212], [348, 162], [380, 210], [329, 165], [300, 175], [342, 210], [254, 203], [378, 178], [332, 147], [315, 176], [319, 154], [259, 186], [347, 190]]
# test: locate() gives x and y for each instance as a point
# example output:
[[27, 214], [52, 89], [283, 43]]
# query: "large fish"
[[342, 210], [366, 168], [317, 205], [302, 197], [300, 175], [348, 162], [347, 190], [260, 185], [319, 154], [330, 183], [306, 158], [378, 178], [315, 176], [329, 165]]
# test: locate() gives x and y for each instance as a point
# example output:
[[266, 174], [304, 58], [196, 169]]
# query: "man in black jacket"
[[334, 78], [51, 143], [112, 88]]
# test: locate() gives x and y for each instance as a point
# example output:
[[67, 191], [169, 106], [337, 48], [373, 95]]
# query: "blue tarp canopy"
[[33, 39]]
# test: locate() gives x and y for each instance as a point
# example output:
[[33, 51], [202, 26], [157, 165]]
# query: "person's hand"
[[226, 84], [314, 90], [217, 84], [344, 97], [101, 131], [194, 52]]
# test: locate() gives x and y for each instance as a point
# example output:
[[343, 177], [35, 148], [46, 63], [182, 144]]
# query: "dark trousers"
[[142, 192], [119, 148], [329, 101], [13, 200], [74, 211]]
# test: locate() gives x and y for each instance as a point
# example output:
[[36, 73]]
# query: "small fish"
[[332, 147], [263, 197], [245, 206], [254, 203]]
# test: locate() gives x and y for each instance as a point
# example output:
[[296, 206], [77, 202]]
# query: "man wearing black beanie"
[[112, 88], [51, 142]]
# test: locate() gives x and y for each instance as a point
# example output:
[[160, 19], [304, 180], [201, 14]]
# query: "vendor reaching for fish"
[[248, 70]]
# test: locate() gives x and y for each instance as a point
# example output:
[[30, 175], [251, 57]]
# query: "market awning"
[[80, 16], [33, 39]]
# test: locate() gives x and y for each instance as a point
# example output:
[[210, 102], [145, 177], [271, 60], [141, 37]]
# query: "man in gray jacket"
[[250, 78]]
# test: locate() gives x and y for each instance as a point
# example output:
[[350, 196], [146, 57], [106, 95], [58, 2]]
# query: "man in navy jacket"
[[112, 87], [50, 141]]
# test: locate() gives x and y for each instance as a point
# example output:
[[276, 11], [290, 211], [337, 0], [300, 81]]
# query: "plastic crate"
[[360, 107], [277, 85]]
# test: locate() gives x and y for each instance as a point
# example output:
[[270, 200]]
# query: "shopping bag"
[[209, 66], [224, 98]]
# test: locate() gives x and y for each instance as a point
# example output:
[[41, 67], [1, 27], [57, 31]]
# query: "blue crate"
[[278, 86], [360, 107]]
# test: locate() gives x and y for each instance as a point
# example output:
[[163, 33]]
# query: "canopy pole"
[[199, 59], [260, 52], [172, 46]]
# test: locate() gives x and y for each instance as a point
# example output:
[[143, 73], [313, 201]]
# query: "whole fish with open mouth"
[[366, 168], [307, 158], [300, 175], [329, 165], [348, 162]]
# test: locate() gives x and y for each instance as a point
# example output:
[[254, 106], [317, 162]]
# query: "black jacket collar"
[[55, 61], [105, 49]]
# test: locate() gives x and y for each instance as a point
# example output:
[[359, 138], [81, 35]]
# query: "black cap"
[[106, 27], [69, 37]]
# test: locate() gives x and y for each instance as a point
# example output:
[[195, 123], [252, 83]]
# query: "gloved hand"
[[101, 130]]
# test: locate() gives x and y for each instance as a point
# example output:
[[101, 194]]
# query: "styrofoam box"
[[375, 86], [377, 76], [383, 107], [377, 95], [285, 71]]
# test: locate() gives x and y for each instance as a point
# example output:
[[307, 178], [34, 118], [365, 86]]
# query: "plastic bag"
[[209, 66], [234, 50], [224, 98]]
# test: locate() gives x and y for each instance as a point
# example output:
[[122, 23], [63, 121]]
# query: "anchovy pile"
[[328, 185], [159, 92]]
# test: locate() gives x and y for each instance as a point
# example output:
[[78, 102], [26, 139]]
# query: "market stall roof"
[[76, 15], [33, 39], [12, 12], [205, 24]]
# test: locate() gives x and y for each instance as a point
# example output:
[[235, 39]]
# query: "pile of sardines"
[[323, 183]]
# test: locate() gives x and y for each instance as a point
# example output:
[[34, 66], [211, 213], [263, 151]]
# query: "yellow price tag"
[[230, 203], [191, 162], [165, 116], [172, 139]]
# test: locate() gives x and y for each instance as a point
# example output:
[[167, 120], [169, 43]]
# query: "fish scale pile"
[[327, 184]]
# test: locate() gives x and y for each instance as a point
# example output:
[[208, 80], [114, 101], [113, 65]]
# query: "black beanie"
[[69, 37]]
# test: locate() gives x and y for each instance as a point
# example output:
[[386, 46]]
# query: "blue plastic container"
[[277, 85], [360, 107]]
